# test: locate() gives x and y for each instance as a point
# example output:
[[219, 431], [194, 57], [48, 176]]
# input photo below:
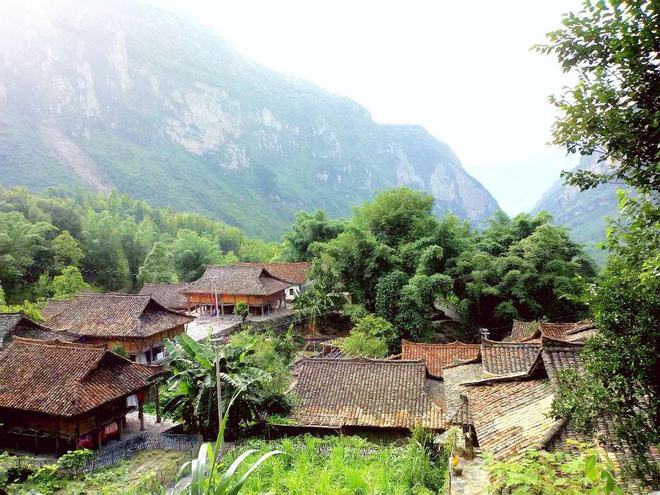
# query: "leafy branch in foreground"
[[554, 473], [205, 471], [613, 109]]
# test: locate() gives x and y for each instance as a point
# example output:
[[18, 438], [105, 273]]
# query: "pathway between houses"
[[473, 481]]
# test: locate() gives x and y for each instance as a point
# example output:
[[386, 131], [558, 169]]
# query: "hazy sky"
[[462, 69]]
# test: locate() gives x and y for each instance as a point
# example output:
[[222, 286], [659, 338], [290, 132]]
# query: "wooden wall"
[[231, 299], [137, 346]]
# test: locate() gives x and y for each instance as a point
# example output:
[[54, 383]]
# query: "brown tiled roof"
[[511, 416], [437, 356], [364, 392], [523, 330], [294, 273], [454, 378], [54, 307], [169, 295], [65, 379], [506, 358], [18, 325], [571, 332], [560, 355], [530, 330], [236, 279], [116, 315]]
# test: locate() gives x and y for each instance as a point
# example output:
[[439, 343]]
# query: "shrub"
[[554, 473]]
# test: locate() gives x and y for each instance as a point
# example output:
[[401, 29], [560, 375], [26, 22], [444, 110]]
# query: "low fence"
[[114, 454]]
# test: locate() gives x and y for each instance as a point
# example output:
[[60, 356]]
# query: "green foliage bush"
[[554, 473], [372, 336]]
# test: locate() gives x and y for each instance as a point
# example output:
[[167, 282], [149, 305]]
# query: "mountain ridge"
[[584, 213], [133, 97]]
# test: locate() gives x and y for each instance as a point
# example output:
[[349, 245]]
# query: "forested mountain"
[[583, 212], [125, 95]]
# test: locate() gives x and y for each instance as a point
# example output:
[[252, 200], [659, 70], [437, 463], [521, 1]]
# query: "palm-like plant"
[[200, 371], [315, 302], [205, 471]]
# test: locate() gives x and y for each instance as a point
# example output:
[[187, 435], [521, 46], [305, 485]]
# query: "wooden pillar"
[[141, 415], [157, 404], [77, 433], [222, 309], [262, 310], [98, 433], [57, 437], [120, 427], [217, 311]]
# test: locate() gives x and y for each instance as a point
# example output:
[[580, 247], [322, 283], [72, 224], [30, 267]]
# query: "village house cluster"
[[69, 382]]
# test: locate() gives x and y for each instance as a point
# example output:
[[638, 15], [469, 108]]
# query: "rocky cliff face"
[[584, 213], [119, 94]]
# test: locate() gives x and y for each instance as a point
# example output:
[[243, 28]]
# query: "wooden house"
[[135, 324], [222, 287], [296, 274], [18, 325], [57, 396]]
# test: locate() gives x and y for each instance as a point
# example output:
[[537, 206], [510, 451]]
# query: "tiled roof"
[[437, 356], [294, 273], [454, 378], [367, 393], [506, 358], [511, 416], [169, 295], [236, 279], [18, 325], [54, 307], [65, 379], [523, 330], [116, 315], [560, 355], [571, 332]]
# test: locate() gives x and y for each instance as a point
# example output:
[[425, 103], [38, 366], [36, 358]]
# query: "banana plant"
[[207, 477]]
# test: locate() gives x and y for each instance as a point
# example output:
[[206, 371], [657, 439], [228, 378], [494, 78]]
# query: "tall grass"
[[345, 465]]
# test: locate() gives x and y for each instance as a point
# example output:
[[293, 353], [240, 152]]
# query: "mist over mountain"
[[130, 96], [583, 212]]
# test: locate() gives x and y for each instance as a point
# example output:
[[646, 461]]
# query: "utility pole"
[[218, 385]]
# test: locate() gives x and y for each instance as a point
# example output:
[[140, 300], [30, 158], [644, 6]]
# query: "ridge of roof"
[[462, 362], [455, 343], [364, 360], [553, 342], [525, 343], [522, 376]]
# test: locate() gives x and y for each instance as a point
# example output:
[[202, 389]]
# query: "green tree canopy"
[[66, 251], [69, 283], [158, 266], [307, 229]]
